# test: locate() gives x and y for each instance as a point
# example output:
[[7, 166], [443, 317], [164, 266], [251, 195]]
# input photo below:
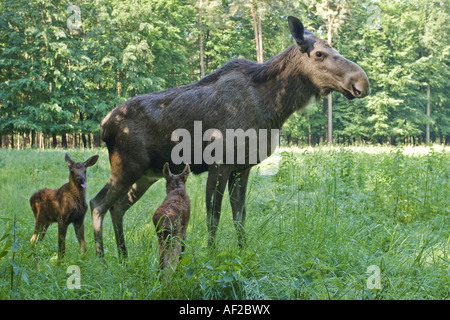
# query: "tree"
[[331, 13]]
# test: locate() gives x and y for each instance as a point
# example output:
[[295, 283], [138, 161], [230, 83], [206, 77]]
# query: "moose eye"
[[318, 54]]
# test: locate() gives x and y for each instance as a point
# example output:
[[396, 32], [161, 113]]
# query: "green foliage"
[[58, 80], [313, 229]]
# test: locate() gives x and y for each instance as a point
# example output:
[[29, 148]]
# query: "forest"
[[65, 65]]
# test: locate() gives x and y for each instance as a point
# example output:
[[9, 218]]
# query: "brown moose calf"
[[65, 205], [171, 219]]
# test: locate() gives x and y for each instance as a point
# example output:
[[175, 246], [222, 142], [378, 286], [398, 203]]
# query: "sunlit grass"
[[313, 229]]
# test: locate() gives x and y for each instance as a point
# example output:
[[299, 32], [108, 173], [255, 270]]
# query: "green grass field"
[[315, 231]]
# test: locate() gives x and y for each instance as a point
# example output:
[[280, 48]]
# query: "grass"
[[314, 228]]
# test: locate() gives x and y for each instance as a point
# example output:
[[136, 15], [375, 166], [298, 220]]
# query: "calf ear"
[[68, 160], [186, 172], [298, 32], [166, 170], [91, 161]]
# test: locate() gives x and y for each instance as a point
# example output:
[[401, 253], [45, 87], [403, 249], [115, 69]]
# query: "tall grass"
[[313, 230]]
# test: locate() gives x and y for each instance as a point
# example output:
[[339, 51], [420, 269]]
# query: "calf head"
[[175, 181], [78, 170]]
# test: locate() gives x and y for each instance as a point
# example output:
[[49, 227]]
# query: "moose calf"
[[65, 205], [171, 219]]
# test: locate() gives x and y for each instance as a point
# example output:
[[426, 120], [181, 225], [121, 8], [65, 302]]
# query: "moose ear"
[[68, 160], [91, 161], [186, 172], [298, 32], [166, 170]]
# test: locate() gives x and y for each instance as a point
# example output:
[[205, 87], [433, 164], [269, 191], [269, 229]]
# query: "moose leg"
[[79, 231], [43, 231], [38, 225], [62, 231], [215, 187], [237, 187], [104, 200], [39, 230], [125, 171], [99, 206], [35, 234], [183, 237], [163, 246], [118, 210]]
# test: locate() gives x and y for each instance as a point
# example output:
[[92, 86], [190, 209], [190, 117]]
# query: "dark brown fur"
[[242, 94], [171, 219], [64, 206]]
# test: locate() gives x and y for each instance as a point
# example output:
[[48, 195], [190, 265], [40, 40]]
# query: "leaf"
[[189, 273], [3, 253], [226, 278], [25, 277], [15, 266], [208, 266], [5, 235]]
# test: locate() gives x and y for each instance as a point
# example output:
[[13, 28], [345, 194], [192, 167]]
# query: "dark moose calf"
[[171, 219], [65, 205]]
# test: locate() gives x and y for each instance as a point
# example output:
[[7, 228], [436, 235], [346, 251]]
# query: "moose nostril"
[[356, 91]]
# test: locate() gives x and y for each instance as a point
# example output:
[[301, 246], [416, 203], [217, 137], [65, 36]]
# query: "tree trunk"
[[83, 139], [256, 29], [33, 139], [118, 84], [330, 98], [260, 58], [54, 141], [427, 139], [330, 119], [64, 140], [83, 136], [200, 38], [97, 140]]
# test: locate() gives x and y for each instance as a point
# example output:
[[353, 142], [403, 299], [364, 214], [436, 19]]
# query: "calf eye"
[[318, 54]]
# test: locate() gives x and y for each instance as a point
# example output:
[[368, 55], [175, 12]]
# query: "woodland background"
[[64, 65]]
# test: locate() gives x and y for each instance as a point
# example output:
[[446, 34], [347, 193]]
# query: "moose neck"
[[287, 87], [75, 189], [177, 189]]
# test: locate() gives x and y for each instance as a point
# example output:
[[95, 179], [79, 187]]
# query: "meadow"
[[317, 229]]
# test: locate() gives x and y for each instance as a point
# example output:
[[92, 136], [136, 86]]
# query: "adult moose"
[[241, 94]]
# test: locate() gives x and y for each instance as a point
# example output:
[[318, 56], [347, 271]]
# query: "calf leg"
[[79, 231], [39, 230], [43, 232], [38, 225], [163, 247], [170, 250], [62, 231], [237, 188], [215, 187]]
